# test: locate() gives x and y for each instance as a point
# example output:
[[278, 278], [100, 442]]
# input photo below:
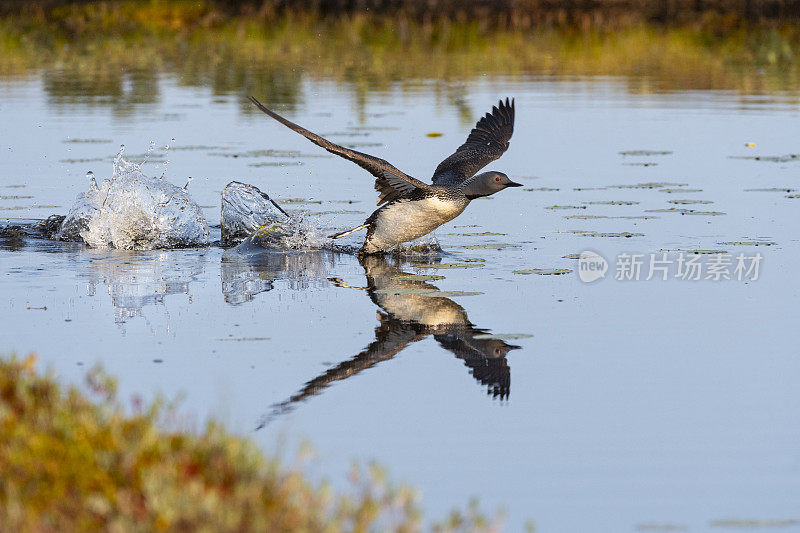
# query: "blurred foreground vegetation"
[[74, 463], [113, 53]]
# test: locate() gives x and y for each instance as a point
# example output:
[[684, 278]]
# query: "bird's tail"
[[348, 232]]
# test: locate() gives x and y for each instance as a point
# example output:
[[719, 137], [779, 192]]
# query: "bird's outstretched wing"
[[486, 142], [390, 182]]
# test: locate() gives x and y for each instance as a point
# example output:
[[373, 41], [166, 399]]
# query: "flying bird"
[[410, 208]]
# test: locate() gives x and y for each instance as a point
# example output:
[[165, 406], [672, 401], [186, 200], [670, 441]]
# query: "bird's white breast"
[[407, 220]]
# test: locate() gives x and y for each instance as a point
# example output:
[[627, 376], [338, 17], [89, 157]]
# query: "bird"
[[410, 208]]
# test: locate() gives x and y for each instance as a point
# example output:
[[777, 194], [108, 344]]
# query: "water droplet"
[[92, 181]]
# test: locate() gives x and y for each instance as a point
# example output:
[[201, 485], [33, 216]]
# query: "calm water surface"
[[607, 406]]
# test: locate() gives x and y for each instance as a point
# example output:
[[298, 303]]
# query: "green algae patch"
[[504, 336], [87, 141], [660, 526], [243, 339], [688, 202], [418, 277], [747, 243], [492, 246], [644, 152], [685, 211], [648, 185], [695, 251], [482, 234], [545, 271], [768, 158], [436, 293], [590, 233], [277, 164], [739, 523], [612, 202], [451, 265]]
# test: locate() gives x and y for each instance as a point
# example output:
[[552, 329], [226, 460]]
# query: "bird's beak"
[[513, 184]]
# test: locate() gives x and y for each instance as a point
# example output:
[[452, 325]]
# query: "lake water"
[[614, 405]]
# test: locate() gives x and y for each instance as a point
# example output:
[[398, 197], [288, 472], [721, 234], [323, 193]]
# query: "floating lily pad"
[[658, 526], [503, 336], [684, 211], [695, 251], [747, 243], [544, 271], [243, 339], [483, 234], [491, 246], [277, 164], [83, 160], [753, 523], [687, 202], [451, 265], [553, 207], [769, 158], [427, 292], [418, 277], [87, 141], [648, 185], [644, 152], [625, 234], [298, 201], [612, 202]]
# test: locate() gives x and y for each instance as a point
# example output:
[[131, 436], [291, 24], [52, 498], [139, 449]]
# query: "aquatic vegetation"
[[120, 49], [612, 202], [75, 462], [769, 158], [687, 202], [546, 271], [648, 185], [644, 152], [747, 243], [449, 265], [504, 336]]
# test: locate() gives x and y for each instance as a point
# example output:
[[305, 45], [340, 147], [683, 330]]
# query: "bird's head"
[[487, 183]]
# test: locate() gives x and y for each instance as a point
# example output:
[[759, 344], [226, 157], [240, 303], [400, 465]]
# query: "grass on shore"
[[74, 463]]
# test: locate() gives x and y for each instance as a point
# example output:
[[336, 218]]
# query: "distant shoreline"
[[490, 14]]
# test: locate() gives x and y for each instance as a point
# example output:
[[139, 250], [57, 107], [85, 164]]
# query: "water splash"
[[135, 212]]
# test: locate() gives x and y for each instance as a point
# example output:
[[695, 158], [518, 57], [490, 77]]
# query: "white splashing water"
[[135, 212]]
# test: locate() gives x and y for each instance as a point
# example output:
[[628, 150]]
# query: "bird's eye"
[[497, 179]]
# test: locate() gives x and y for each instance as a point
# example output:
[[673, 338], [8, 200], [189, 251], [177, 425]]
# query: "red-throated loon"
[[412, 208]]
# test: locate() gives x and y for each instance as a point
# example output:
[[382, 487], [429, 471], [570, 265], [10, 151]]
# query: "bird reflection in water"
[[408, 314]]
